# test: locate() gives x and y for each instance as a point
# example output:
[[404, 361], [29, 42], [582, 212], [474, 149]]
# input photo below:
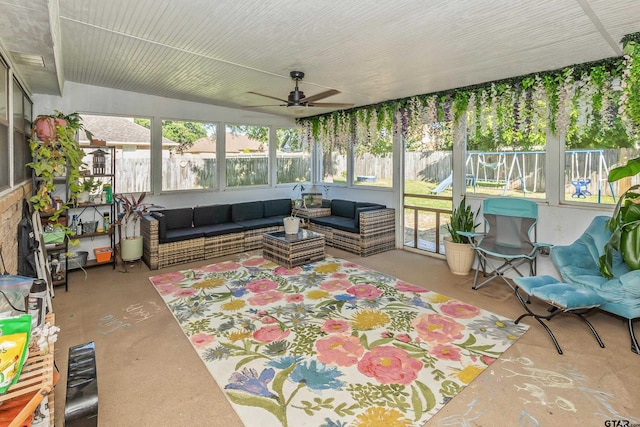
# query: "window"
[[188, 155], [593, 146], [132, 138], [246, 155], [293, 158], [506, 141], [21, 134], [4, 127], [373, 161], [334, 163]]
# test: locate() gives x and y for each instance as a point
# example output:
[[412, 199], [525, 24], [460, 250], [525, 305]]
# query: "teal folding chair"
[[509, 240]]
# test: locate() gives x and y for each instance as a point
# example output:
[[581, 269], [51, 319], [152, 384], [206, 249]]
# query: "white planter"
[[291, 225], [83, 197], [131, 248], [460, 256]]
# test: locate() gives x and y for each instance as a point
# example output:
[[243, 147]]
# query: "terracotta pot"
[[460, 256], [45, 128]]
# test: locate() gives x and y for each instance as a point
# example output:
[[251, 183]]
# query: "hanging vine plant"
[[514, 111]]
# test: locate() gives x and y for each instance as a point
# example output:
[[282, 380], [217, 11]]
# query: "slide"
[[446, 183]]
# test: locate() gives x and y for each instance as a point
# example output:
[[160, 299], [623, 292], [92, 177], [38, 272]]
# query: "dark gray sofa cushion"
[[343, 208], [254, 224], [178, 218], [220, 229], [247, 210], [277, 207], [211, 215], [341, 223], [181, 234]]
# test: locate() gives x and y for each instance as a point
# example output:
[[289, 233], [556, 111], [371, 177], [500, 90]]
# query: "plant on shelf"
[[55, 151], [624, 223], [131, 209], [458, 249], [88, 186]]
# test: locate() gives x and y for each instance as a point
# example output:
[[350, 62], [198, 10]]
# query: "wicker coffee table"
[[291, 250]]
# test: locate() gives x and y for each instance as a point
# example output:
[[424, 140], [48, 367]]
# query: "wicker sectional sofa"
[[176, 236], [362, 228]]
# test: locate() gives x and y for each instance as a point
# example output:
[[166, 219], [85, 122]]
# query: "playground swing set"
[[478, 165]]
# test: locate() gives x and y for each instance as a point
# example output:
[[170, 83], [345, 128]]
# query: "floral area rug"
[[331, 344]]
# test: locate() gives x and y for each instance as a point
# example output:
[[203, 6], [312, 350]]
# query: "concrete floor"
[[149, 375]]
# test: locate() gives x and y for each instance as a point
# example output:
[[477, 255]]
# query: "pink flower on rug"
[[261, 285], [437, 328], [185, 293], [284, 271], [446, 352], [408, 287], [295, 298], [265, 298], [201, 340], [339, 276], [167, 278], [460, 310], [167, 289], [268, 319], [334, 285], [332, 326], [270, 333], [364, 291], [487, 359], [353, 265], [403, 337], [339, 349], [389, 365], [220, 267], [254, 261]]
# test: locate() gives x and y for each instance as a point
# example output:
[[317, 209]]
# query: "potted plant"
[[624, 223], [130, 211], [298, 202], [88, 186], [55, 152], [458, 249]]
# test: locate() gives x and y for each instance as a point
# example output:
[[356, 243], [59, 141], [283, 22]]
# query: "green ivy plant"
[[624, 223], [53, 161]]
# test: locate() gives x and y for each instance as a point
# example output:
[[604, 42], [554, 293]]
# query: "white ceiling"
[[217, 51]]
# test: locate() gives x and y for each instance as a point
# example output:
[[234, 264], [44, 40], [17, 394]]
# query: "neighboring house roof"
[[234, 144], [118, 131]]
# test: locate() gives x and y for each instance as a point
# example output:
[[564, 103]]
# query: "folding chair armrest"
[[542, 245], [469, 234]]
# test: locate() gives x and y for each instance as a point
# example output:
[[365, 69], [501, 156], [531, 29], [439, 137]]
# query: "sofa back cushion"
[[343, 208], [178, 218], [247, 210], [277, 207], [211, 215]]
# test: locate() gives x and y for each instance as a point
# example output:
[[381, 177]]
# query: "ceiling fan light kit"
[[297, 99]]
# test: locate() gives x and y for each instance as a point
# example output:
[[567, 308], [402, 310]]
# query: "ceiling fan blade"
[[267, 105], [321, 95], [268, 96], [329, 105]]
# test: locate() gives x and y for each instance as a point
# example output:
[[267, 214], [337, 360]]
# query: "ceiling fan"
[[297, 99]]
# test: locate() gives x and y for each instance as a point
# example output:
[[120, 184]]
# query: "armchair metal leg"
[[634, 342]]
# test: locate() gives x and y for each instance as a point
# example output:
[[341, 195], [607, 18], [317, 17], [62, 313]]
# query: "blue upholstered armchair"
[[578, 265]]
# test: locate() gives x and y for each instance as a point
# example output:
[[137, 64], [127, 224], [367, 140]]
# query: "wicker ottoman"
[[291, 250]]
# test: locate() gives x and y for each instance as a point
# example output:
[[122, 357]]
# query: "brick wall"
[[10, 216]]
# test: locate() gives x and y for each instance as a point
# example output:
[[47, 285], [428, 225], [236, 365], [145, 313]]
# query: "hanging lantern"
[[99, 162]]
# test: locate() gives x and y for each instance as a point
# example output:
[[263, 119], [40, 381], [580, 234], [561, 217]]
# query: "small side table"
[[310, 212], [291, 250]]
